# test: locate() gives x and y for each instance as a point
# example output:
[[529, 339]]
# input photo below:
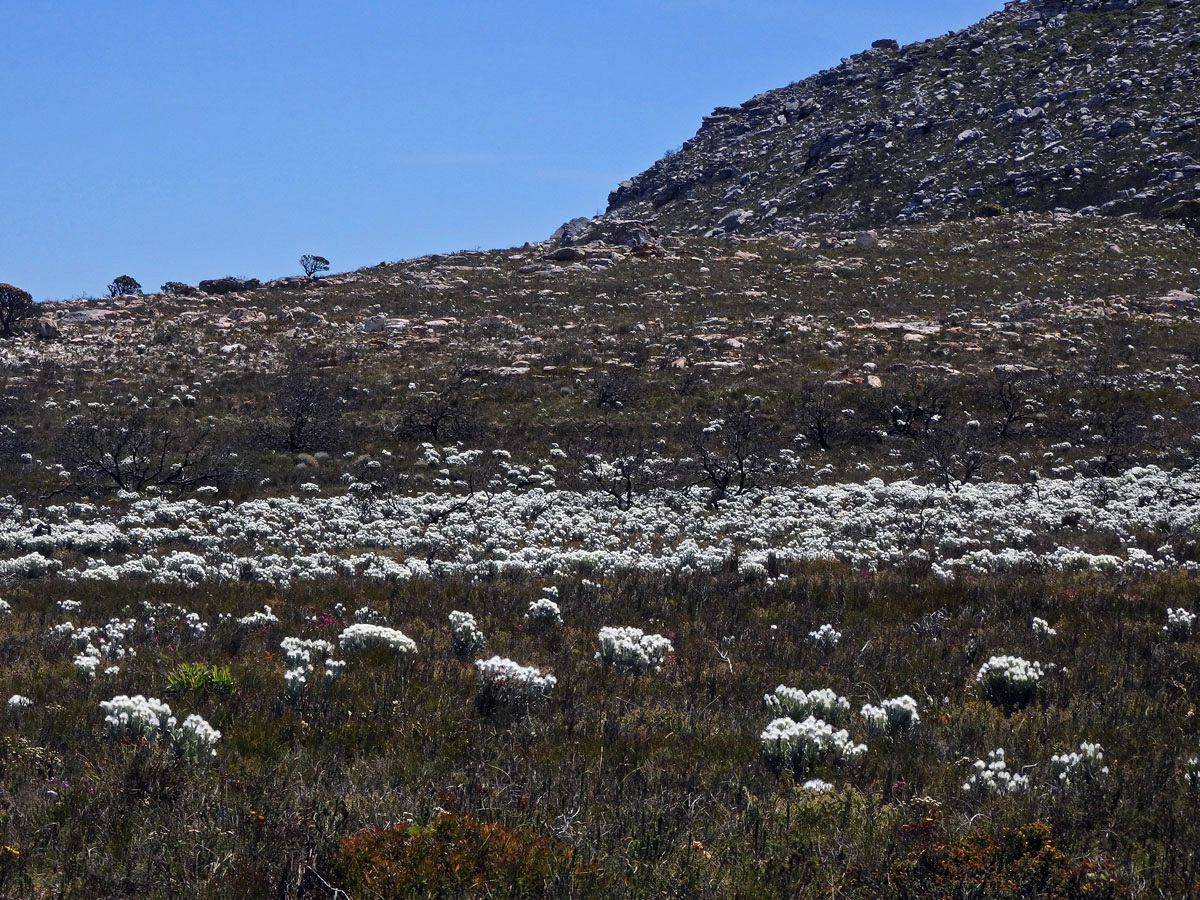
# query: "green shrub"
[[201, 677]]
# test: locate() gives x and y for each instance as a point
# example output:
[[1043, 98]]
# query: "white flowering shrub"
[[17, 702], [1009, 681], [259, 619], [825, 637], [1191, 773], [631, 650], [69, 606], [1083, 767], [895, 717], [195, 740], [88, 662], [194, 627], [5, 608], [823, 703], [137, 716], [1042, 629], [502, 681], [816, 786], [803, 745], [334, 669], [992, 778], [362, 637], [465, 637], [1180, 624], [543, 615], [367, 616]]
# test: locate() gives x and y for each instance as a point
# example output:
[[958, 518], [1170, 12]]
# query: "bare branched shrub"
[[140, 447]]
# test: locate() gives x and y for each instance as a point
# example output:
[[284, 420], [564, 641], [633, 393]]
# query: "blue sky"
[[180, 141]]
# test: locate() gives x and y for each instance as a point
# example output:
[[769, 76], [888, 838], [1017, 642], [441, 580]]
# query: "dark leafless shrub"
[[616, 459], [308, 413], [735, 452], [613, 390], [15, 305], [446, 414], [141, 447]]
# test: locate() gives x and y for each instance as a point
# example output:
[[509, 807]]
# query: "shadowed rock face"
[[1074, 105]]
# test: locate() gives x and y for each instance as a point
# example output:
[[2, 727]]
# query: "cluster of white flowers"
[[825, 637], [259, 619], [195, 740], [543, 615], [367, 616], [505, 681], [5, 608], [193, 627], [69, 606], [137, 716], [334, 669], [993, 778], [1191, 773], [298, 659], [16, 701], [1180, 624], [98, 644], [465, 637], [362, 637], [87, 662], [146, 717], [1082, 767], [981, 528], [804, 745], [1042, 629], [823, 703], [1009, 681], [631, 650], [895, 717]]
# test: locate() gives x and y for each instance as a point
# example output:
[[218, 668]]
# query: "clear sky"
[[179, 141]]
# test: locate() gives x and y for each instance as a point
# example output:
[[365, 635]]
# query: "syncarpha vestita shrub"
[[1042, 629], [631, 650], [825, 637], [822, 703], [992, 778], [1180, 624], [1191, 773], [895, 717], [465, 636], [137, 716], [504, 681], [1083, 767], [195, 740], [543, 615], [1009, 681], [259, 619], [362, 637], [804, 745]]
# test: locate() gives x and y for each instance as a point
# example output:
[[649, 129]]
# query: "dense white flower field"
[[1138, 523]]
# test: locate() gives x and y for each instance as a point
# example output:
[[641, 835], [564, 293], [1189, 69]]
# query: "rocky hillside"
[[1078, 105]]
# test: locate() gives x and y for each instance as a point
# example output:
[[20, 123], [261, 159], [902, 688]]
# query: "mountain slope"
[[1074, 105]]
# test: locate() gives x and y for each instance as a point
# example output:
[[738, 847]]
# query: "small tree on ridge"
[[313, 264]]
